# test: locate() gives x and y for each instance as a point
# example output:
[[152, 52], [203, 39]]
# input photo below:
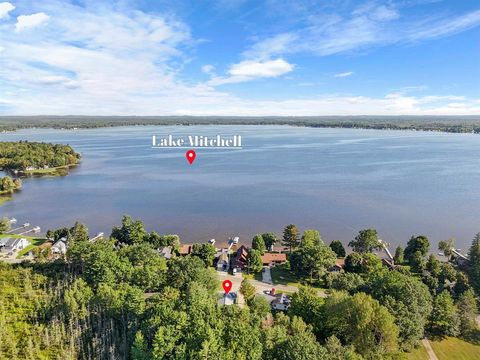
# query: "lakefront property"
[[302, 179], [293, 278]]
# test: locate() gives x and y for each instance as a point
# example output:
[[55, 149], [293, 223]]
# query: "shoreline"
[[442, 124]]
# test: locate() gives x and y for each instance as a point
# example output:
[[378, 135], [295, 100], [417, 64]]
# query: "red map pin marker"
[[227, 286], [190, 155]]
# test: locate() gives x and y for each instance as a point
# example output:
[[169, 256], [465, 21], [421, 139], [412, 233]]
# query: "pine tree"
[[474, 270], [291, 236]]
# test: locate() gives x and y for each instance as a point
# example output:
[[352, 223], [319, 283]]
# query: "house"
[[339, 265], [223, 263], [166, 252], [185, 249], [60, 247], [269, 259], [281, 302], [13, 244], [239, 262], [228, 299]]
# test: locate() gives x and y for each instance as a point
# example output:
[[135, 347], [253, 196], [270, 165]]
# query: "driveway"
[[267, 275], [260, 286]]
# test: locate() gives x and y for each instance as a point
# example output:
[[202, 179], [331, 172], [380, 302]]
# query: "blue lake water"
[[335, 180]]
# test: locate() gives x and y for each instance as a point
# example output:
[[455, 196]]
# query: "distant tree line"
[[453, 124]]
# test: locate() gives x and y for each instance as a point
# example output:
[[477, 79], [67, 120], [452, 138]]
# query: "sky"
[[240, 57]]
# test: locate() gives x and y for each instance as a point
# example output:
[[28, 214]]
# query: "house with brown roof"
[[269, 258], [239, 262], [185, 249], [339, 265]]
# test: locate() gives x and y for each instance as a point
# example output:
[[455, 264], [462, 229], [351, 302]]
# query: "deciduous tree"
[[206, 252], [365, 241], [270, 239]]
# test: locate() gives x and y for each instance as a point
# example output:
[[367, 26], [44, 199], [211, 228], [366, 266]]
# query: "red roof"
[[269, 258]]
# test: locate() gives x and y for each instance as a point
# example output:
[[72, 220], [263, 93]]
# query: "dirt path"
[[428, 347]]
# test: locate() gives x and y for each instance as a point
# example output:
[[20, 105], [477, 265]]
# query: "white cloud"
[[275, 45], [25, 22], [58, 80], [271, 68], [5, 8], [249, 70], [369, 25], [81, 64], [444, 27], [208, 69], [343, 74]]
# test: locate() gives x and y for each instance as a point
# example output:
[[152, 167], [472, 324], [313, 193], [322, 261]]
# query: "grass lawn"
[[418, 354], [55, 171], [255, 276], [453, 348], [282, 275], [33, 242]]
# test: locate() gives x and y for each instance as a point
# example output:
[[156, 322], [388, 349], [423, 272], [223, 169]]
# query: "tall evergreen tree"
[[467, 312], [337, 247], [259, 244], [474, 268], [291, 236], [398, 258]]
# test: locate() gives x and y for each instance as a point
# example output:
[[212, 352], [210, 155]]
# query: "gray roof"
[[11, 242], [166, 252]]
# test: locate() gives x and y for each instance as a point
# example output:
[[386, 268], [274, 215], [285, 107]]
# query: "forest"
[[9, 185], [29, 157], [118, 298], [453, 124]]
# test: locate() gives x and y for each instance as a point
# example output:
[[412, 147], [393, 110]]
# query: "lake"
[[335, 180]]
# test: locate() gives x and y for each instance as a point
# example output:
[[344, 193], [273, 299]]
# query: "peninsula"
[[25, 158]]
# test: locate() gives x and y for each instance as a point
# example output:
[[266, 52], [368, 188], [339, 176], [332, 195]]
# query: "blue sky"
[[240, 57]]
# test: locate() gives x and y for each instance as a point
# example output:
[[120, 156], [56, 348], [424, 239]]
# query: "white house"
[[281, 302], [60, 247], [13, 244], [166, 252]]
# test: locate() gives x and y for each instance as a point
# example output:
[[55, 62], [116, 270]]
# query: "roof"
[[166, 252], [340, 263], [280, 298], [225, 245], [268, 258], [185, 249], [60, 243], [3, 241], [240, 257], [223, 257], [12, 242]]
